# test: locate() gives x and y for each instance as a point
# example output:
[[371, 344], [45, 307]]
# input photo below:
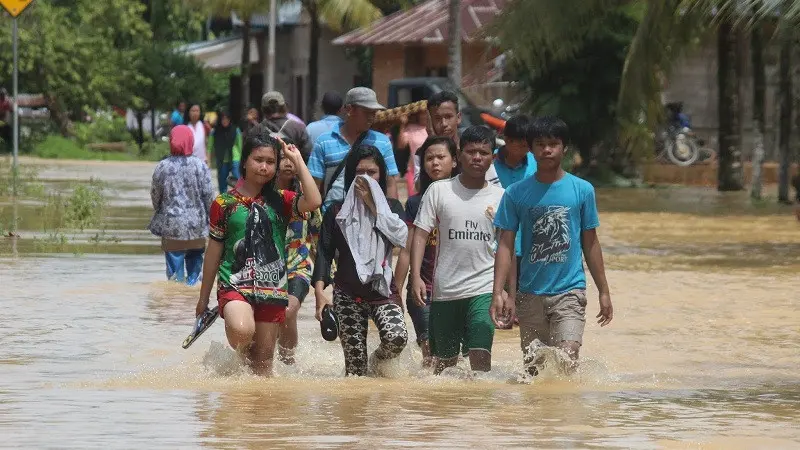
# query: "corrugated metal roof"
[[425, 23]]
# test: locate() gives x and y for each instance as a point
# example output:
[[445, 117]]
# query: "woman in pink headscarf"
[[182, 194]]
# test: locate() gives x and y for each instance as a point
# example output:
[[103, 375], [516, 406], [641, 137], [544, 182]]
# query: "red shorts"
[[261, 313]]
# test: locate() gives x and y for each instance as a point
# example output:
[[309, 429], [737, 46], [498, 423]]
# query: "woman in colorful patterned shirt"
[[181, 193], [301, 238], [247, 250]]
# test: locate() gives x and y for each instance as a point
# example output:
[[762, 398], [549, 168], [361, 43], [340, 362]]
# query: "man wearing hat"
[[331, 148], [273, 107]]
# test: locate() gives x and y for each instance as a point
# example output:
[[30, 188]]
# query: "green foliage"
[[27, 179], [84, 208], [579, 54], [104, 127], [580, 85], [170, 76], [154, 151], [90, 55], [59, 147], [175, 21], [33, 133], [78, 55], [667, 28]]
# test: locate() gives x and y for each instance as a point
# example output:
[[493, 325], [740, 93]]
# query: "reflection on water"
[[703, 352]]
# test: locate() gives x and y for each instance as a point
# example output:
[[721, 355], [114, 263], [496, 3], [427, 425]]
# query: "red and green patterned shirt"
[[254, 236]]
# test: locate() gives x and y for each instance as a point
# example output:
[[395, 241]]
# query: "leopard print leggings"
[[353, 316]]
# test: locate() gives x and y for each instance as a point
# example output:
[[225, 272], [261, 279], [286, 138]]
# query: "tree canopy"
[[88, 55]]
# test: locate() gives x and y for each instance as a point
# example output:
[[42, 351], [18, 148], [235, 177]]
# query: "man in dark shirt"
[[273, 107]]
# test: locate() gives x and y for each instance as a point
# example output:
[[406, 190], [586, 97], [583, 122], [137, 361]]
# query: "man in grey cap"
[[331, 148], [273, 107]]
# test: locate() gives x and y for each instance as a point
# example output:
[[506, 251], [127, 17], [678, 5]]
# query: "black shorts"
[[298, 288]]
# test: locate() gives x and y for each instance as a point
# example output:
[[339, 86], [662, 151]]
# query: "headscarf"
[[181, 141]]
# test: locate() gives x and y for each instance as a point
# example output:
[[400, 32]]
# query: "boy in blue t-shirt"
[[557, 216]]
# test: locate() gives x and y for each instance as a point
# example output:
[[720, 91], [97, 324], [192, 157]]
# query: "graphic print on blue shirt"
[[551, 234], [551, 218]]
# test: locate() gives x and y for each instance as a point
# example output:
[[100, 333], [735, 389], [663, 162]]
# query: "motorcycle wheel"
[[683, 151]]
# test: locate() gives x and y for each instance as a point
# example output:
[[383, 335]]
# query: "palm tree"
[[336, 15], [550, 30], [729, 171], [785, 119], [759, 106], [454, 46], [245, 9]]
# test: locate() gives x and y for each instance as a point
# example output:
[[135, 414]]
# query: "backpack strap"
[[342, 164]]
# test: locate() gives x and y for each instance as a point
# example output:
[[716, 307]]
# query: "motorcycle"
[[676, 140], [163, 128]]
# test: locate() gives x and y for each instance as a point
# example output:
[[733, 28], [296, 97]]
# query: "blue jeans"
[[419, 316], [185, 265]]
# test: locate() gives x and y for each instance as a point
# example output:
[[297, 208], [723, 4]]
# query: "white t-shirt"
[[465, 221], [199, 131]]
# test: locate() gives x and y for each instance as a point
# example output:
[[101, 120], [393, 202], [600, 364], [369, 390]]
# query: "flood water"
[[703, 352]]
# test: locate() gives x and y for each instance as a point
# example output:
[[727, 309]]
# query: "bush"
[[85, 206], [55, 146], [154, 151], [59, 147], [104, 127]]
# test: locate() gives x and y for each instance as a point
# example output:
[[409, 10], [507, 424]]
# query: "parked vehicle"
[[676, 140]]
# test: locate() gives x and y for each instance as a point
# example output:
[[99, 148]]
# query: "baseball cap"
[[273, 96], [363, 97]]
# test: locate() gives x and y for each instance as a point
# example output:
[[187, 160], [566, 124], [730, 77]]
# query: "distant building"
[[413, 43], [337, 70]]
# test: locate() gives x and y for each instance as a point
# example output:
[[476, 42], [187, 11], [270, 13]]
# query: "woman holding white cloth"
[[362, 231]]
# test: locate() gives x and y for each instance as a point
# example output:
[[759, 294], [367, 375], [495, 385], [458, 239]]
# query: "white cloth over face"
[[371, 238]]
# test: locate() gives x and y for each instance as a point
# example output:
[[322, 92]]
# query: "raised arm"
[[311, 198]]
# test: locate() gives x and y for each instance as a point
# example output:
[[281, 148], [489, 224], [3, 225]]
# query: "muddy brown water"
[[704, 350]]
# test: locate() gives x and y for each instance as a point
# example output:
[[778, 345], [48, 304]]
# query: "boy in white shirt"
[[462, 209]]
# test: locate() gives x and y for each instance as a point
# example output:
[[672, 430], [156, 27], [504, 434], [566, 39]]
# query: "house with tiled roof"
[[413, 43]]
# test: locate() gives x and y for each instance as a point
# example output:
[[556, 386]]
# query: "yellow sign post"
[[15, 7]]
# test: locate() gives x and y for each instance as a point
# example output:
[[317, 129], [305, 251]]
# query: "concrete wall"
[[292, 48], [387, 65], [395, 61], [337, 71], [694, 82]]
